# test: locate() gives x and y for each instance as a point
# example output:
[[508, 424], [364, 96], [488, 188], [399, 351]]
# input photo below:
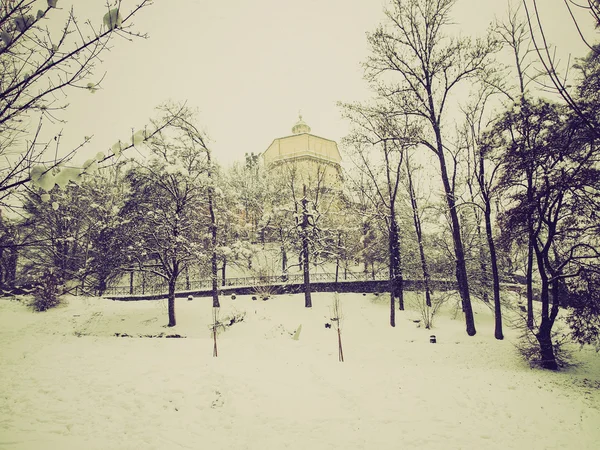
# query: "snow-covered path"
[[68, 383]]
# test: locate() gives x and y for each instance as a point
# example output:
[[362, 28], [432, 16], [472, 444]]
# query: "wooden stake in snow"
[[296, 335], [214, 330], [336, 312]]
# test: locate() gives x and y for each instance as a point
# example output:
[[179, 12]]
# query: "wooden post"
[[341, 352]]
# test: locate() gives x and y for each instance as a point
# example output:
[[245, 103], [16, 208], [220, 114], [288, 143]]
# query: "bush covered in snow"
[[46, 294]]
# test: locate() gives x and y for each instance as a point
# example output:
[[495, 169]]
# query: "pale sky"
[[248, 66]]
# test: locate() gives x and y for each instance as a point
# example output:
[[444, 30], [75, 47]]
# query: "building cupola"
[[300, 126]]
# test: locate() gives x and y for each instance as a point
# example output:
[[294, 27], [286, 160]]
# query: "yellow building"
[[308, 157]]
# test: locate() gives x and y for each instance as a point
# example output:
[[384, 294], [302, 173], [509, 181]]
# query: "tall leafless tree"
[[418, 68], [378, 145]]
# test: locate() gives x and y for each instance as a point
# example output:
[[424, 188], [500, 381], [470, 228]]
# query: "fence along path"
[[352, 281], [152, 288]]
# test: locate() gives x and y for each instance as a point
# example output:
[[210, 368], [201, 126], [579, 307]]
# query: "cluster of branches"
[[40, 61]]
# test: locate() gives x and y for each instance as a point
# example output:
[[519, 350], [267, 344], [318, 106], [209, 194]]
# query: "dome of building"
[[300, 127]]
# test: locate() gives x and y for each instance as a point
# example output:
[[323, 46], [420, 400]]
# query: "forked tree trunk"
[[544, 334]]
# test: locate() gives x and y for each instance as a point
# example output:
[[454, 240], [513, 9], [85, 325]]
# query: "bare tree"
[[38, 65], [547, 54], [565, 214], [168, 196], [378, 132], [418, 68], [486, 166], [417, 220], [513, 33], [310, 197]]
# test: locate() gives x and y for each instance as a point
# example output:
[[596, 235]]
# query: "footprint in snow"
[[217, 402]]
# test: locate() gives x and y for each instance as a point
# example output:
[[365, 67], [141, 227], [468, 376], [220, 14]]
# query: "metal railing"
[[155, 288]]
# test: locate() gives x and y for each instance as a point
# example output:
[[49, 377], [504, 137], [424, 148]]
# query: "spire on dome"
[[301, 126]]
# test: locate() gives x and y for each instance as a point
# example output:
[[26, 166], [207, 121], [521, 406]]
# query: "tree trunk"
[[419, 231], [530, 252], [392, 300], [215, 283], [395, 262], [131, 282], [529, 282], [483, 265], [171, 300], [213, 232], [337, 260], [305, 250], [11, 266], [498, 334], [461, 268], [223, 269], [101, 287], [544, 334], [283, 262], [544, 337]]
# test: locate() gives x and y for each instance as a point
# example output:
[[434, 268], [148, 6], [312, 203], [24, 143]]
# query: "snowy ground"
[[66, 381]]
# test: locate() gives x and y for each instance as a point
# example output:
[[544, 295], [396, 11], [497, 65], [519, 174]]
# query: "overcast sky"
[[249, 66]]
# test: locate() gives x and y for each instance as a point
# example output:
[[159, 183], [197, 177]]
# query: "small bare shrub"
[[428, 313], [264, 274]]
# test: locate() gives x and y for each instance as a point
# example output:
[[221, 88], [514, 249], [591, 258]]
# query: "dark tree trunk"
[[544, 334], [223, 269], [530, 252], [498, 334], [544, 337], [485, 281], [305, 250], [10, 275], [213, 232], [487, 214], [283, 263], [131, 282], [171, 300], [215, 282], [187, 278], [101, 287], [365, 231], [529, 283], [461, 267], [396, 278], [337, 260], [392, 301], [419, 231]]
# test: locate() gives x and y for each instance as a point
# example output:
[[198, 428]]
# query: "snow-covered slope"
[[67, 382]]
